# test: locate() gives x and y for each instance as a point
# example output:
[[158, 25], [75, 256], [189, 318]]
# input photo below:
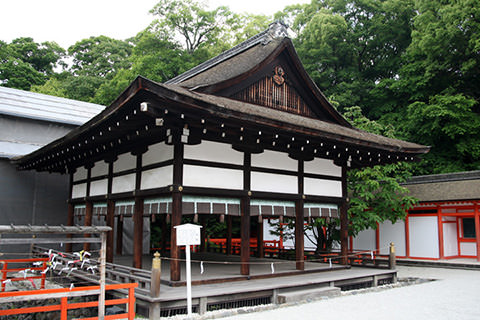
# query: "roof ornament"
[[276, 29]]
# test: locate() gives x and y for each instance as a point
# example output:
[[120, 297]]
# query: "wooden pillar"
[[245, 236], [245, 216], [119, 244], [163, 239], [176, 219], [70, 222], [203, 233], [111, 224], [110, 214], [477, 227], [229, 234], [299, 236], [260, 253], [138, 233], [88, 222], [344, 219]]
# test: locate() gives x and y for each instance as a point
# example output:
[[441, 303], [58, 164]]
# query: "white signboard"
[[188, 234]]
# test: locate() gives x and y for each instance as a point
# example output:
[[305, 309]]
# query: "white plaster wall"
[[395, 233], [214, 152], [450, 244], [468, 249], [124, 162], [423, 237], [123, 183], [100, 169], [274, 160], [98, 187], [198, 176], [79, 190], [274, 182], [365, 240], [320, 187], [157, 153], [156, 178], [322, 166], [80, 174]]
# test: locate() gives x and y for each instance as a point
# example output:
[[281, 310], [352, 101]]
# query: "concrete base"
[[308, 295]]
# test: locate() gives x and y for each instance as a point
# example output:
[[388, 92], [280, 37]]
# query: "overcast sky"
[[67, 21]]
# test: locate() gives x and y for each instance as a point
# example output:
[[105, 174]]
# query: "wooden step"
[[307, 294]]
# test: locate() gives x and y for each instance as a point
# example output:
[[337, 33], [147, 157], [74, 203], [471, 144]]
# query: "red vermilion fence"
[[6, 270], [64, 293]]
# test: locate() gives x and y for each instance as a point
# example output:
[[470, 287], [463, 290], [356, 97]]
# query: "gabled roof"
[[247, 60], [37, 106]]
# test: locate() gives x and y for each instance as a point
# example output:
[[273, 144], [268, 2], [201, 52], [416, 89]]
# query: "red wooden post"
[[4, 274], [44, 275], [131, 303], [477, 228], [63, 308], [441, 252]]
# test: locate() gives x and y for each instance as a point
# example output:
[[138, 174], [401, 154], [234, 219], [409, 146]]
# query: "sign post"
[[188, 234]]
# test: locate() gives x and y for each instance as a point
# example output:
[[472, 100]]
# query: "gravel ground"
[[454, 295]]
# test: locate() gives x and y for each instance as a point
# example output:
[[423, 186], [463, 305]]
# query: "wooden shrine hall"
[[246, 134]]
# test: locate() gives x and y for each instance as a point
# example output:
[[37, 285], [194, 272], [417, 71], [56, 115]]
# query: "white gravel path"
[[455, 295]]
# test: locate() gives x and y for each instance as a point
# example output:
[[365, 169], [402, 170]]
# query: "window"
[[468, 225]]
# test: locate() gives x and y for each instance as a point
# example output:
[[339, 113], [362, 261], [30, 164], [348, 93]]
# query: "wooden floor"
[[222, 283], [222, 268]]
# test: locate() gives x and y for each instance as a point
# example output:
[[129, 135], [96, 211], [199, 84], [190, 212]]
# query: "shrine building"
[[245, 135]]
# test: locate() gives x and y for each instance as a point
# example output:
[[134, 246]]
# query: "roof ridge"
[[276, 29]]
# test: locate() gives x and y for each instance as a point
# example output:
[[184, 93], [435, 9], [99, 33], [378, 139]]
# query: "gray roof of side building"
[[37, 106], [456, 186], [33, 120]]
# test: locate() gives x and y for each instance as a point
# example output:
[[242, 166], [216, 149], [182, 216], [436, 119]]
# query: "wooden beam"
[[245, 236], [229, 234], [119, 244], [178, 152], [70, 222], [138, 233], [260, 251], [299, 236], [344, 219], [88, 221], [110, 235]]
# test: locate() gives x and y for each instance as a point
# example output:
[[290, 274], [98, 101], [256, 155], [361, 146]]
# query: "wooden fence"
[[63, 294], [6, 269]]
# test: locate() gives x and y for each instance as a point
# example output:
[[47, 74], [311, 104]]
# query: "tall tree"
[[191, 22], [440, 84], [24, 63]]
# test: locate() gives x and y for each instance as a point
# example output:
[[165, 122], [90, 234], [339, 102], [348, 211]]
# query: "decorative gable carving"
[[275, 92]]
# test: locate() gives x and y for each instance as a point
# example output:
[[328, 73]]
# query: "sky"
[[68, 21]]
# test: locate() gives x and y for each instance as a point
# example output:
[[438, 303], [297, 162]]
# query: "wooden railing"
[[6, 269], [63, 294]]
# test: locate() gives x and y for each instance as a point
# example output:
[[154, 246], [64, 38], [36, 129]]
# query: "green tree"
[[376, 194], [350, 46], [24, 63], [196, 26], [438, 87]]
